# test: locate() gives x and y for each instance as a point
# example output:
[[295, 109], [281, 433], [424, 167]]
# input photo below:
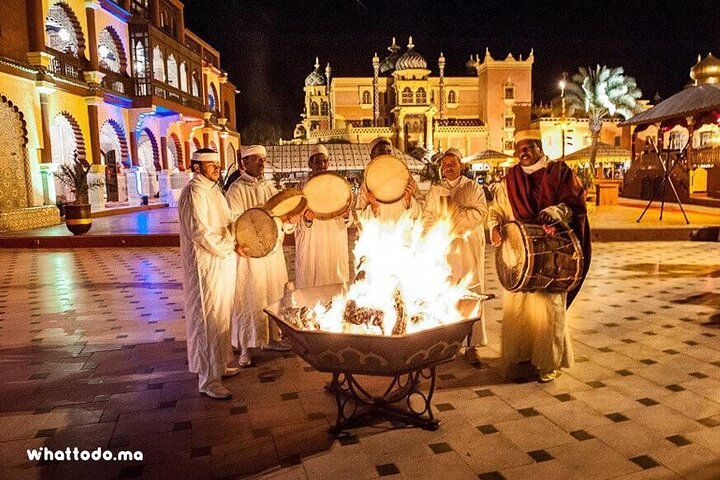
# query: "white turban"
[[453, 151], [317, 149], [523, 135], [205, 155], [253, 150], [380, 140]]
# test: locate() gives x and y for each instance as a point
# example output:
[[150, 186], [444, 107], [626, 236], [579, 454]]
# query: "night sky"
[[268, 47]]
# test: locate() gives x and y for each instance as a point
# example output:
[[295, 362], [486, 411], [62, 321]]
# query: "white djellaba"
[[260, 281], [209, 264]]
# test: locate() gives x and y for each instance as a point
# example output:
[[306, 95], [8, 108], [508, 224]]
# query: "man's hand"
[[409, 190], [309, 215], [242, 250], [374, 204], [495, 236], [549, 229], [294, 219]]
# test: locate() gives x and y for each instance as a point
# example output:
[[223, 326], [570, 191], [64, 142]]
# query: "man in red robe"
[[538, 190]]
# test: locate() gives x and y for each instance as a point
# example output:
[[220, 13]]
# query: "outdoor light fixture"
[[64, 34], [103, 51]]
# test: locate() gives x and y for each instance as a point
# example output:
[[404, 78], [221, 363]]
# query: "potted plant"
[[78, 217]]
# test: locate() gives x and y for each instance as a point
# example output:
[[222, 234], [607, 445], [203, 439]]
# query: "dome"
[[706, 70], [410, 59], [388, 64], [471, 65], [315, 78]]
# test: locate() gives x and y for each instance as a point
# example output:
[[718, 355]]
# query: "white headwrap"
[[205, 155], [453, 151], [253, 150], [317, 148], [523, 135]]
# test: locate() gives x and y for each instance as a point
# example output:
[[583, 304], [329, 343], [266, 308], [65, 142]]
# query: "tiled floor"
[[92, 354]]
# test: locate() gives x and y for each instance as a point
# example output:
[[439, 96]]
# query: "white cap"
[[523, 135], [453, 151], [317, 148], [253, 150], [205, 155]]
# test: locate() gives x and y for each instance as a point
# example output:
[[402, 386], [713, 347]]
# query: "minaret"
[[328, 71], [376, 89], [441, 67]]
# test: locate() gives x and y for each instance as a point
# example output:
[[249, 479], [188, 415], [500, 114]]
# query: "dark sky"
[[268, 47]]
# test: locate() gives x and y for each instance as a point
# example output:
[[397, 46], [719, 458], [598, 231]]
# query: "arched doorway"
[[15, 186], [115, 157], [149, 159], [62, 30], [174, 153], [66, 144]]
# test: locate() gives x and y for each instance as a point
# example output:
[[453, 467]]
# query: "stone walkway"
[[93, 355]]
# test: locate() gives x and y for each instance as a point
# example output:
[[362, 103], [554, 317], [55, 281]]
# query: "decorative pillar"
[[691, 132], [441, 66], [134, 156], [93, 119], [328, 91], [186, 157], [90, 6], [36, 25], [376, 89], [46, 153], [164, 154]]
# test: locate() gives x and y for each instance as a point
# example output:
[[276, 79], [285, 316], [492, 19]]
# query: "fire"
[[402, 283]]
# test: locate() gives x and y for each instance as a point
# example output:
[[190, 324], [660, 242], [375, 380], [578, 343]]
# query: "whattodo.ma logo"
[[44, 454]]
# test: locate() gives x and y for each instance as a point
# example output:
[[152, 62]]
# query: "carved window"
[[421, 96], [452, 96], [366, 97], [324, 108], [314, 108], [407, 96]]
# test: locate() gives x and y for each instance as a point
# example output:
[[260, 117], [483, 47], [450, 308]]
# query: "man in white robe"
[[321, 246], [260, 281], [462, 201], [207, 249], [368, 205], [538, 191]]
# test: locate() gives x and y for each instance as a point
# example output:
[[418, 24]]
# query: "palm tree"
[[601, 93]]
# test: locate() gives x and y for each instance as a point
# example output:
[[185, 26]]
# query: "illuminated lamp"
[[64, 34], [103, 51]]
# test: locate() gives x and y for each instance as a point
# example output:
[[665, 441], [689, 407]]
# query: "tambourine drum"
[[287, 203], [257, 230], [387, 177], [328, 195], [529, 260]]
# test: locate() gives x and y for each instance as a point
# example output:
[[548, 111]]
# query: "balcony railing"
[[118, 83], [172, 94], [706, 156], [65, 65]]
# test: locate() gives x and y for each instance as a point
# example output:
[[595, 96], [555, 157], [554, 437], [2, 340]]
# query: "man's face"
[[318, 163], [381, 148], [254, 165], [450, 167], [529, 152], [209, 170]]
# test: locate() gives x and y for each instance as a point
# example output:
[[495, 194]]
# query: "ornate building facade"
[[401, 99], [121, 84]]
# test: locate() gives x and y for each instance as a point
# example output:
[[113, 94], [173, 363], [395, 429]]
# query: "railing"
[[705, 156], [459, 122], [117, 83], [167, 92], [65, 65]]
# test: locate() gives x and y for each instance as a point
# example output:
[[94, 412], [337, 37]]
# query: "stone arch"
[[183, 76], [158, 63], [109, 35], [15, 182], [79, 147], [175, 145], [230, 155], [213, 98], [61, 15], [153, 150], [119, 132], [66, 144], [194, 84], [172, 71]]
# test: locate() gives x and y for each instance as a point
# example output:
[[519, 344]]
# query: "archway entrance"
[[15, 186], [148, 158], [66, 145]]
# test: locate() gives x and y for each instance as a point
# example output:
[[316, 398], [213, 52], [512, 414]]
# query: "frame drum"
[[257, 230], [287, 203], [529, 260], [328, 195], [387, 177]]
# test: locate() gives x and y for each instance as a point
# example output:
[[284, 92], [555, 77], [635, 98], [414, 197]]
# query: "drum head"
[[257, 230], [286, 203], [511, 257], [328, 195], [386, 177]]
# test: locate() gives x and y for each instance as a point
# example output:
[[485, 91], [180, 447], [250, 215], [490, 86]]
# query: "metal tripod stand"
[[668, 166]]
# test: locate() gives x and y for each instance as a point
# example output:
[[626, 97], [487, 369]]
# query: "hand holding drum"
[[388, 179], [256, 230], [328, 196]]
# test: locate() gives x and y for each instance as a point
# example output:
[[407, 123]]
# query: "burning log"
[[363, 316], [400, 327]]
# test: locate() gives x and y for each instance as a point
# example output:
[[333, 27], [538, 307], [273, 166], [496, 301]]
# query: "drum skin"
[[387, 177], [257, 230], [328, 195], [529, 260], [287, 203]]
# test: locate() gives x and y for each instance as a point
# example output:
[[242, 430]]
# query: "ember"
[[402, 285]]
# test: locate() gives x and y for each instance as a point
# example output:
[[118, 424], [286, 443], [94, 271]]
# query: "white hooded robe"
[[207, 250], [468, 209], [260, 281]]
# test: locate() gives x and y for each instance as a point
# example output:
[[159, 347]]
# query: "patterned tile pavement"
[[92, 352]]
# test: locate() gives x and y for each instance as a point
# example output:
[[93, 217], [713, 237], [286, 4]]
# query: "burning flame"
[[400, 264]]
